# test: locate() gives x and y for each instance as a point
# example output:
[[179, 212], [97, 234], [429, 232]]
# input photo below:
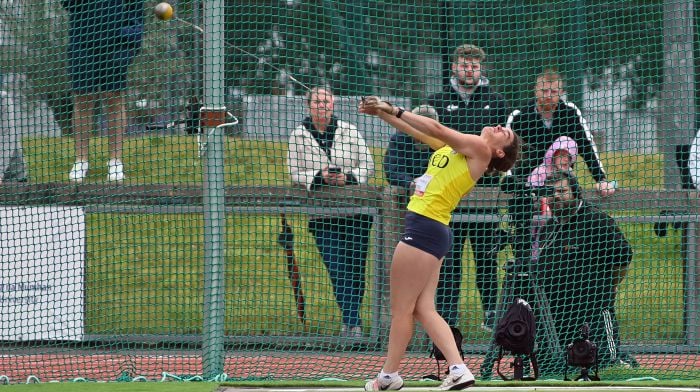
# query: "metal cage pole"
[[213, 114]]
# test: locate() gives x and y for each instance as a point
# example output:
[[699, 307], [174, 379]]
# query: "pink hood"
[[562, 143], [540, 173]]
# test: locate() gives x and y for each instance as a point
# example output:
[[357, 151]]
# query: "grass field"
[[146, 269], [114, 387], [174, 160]]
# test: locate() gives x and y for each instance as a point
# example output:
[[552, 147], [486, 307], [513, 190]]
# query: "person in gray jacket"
[[12, 166]]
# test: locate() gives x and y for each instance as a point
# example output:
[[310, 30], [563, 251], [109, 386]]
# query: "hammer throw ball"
[[163, 11]]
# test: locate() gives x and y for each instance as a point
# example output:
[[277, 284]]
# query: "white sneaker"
[[115, 170], [455, 382], [376, 385], [79, 171], [356, 332], [351, 332]]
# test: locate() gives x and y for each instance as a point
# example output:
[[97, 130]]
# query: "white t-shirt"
[[694, 161]]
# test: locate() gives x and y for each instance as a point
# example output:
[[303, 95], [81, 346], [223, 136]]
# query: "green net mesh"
[[135, 244]]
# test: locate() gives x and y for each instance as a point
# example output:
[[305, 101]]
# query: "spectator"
[[327, 151], [547, 118], [468, 104], [583, 258], [458, 163], [694, 161], [105, 36], [12, 166], [561, 155], [406, 158], [688, 162]]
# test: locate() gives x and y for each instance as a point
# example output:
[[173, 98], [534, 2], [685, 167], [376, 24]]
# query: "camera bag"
[[515, 333]]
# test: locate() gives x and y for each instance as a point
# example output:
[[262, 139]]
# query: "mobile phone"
[[334, 170]]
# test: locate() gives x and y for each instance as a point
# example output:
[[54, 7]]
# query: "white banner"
[[42, 251]]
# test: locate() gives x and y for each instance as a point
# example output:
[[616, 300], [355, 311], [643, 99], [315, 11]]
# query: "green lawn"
[[144, 272], [173, 159]]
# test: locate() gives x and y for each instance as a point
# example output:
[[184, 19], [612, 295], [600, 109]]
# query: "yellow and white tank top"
[[443, 185]]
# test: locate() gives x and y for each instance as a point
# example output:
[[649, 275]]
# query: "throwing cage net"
[[172, 207]]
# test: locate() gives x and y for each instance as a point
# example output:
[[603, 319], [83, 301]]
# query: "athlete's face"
[[498, 136], [467, 70]]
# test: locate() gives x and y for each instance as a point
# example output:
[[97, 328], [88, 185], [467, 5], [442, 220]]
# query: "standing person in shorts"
[[105, 36], [457, 164]]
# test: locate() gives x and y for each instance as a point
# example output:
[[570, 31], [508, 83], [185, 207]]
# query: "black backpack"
[[515, 333], [439, 356]]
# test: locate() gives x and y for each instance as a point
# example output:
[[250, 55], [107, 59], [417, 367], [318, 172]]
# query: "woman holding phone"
[[325, 151]]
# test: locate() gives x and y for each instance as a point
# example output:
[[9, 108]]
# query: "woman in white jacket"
[[326, 151]]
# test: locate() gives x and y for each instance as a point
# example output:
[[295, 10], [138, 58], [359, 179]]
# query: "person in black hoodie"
[[583, 258], [468, 104]]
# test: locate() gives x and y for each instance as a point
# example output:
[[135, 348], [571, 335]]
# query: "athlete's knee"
[[424, 311], [402, 309]]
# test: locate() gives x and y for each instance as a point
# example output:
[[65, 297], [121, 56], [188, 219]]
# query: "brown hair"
[[315, 89], [512, 155], [468, 51]]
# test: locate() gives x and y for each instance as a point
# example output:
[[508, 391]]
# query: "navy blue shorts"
[[427, 235], [100, 49], [95, 68]]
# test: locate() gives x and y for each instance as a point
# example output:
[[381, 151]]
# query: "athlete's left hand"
[[373, 105]]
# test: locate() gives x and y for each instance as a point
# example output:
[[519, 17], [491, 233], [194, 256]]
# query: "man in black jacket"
[[468, 104], [539, 124], [583, 257]]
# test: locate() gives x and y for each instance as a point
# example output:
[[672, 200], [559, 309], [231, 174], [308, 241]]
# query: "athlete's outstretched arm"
[[469, 145], [371, 105]]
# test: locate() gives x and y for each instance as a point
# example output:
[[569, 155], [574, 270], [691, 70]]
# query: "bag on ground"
[[515, 333]]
